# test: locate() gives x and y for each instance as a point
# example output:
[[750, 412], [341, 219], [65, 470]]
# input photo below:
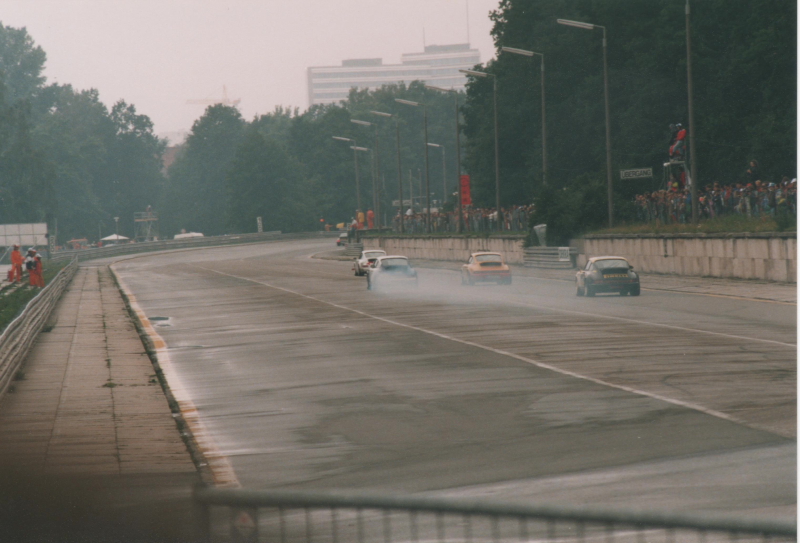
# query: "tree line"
[[65, 157]]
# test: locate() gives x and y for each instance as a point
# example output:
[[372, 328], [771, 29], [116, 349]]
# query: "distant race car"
[[342, 239], [391, 271], [607, 274], [485, 267], [367, 257]]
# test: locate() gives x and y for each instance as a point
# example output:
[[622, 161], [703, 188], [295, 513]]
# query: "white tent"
[[114, 237]]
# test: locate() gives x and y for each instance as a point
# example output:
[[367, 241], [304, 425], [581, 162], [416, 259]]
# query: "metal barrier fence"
[[19, 335], [289, 517], [150, 246], [550, 257]]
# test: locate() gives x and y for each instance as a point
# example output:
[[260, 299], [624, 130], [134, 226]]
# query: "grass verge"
[[13, 303]]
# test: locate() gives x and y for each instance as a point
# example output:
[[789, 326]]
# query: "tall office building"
[[438, 65]]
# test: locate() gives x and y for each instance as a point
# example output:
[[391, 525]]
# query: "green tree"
[[195, 192], [265, 181], [134, 180], [21, 64], [75, 138], [744, 65]]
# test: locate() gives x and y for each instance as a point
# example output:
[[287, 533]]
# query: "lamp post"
[[496, 142], [116, 221], [458, 156], [355, 160], [399, 171], [691, 116], [525, 53], [427, 181], [588, 26], [444, 171], [357, 149], [376, 170]]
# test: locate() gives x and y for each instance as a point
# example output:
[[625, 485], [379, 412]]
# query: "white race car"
[[368, 256], [391, 271]]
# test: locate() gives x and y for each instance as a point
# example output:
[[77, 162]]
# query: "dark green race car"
[[607, 274]]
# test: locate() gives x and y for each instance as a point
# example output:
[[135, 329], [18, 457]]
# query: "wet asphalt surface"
[[306, 380]]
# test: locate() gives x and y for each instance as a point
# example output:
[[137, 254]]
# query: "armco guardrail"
[[550, 257], [18, 336], [150, 246], [247, 515], [353, 249]]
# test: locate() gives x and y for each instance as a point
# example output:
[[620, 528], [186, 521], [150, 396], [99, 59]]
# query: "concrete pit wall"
[[455, 249], [764, 256]]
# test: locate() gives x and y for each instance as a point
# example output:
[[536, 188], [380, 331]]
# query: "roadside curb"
[[195, 452]]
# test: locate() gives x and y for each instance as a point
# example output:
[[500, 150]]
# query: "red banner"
[[466, 195]]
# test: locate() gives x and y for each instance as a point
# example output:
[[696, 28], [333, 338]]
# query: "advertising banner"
[[466, 195]]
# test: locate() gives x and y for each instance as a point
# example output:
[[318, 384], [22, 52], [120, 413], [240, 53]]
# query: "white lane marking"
[[218, 463], [673, 401], [649, 323]]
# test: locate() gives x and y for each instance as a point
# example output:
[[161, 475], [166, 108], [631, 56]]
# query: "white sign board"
[[24, 234], [563, 254], [636, 174]]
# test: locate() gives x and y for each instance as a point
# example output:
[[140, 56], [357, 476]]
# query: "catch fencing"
[[291, 517], [20, 334]]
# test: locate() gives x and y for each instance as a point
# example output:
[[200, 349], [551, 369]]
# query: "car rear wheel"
[[636, 290], [589, 290], [579, 291], [470, 279]]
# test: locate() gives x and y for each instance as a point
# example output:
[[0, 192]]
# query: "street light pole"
[[589, 26], [496, 143], [444, 171], [399, 170], [116, 220], [427, 180], [544, 110], [458, 156], [608, 133], [689, 85], [355, 161], [375, 169]]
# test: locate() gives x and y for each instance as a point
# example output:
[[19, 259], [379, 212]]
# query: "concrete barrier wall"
[[768, 256], [448, 248]]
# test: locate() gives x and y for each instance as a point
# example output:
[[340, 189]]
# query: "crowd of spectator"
[[751, 199], [476, 219]]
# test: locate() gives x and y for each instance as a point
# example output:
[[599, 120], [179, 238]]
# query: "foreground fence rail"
[[250, 516], [20, 334]]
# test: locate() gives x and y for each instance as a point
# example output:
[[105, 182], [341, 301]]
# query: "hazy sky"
[[156, 54]]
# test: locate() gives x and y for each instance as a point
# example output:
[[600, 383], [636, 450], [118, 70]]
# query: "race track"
[[303, 379]]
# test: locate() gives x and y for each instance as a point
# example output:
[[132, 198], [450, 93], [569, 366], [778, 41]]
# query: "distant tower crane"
[[213, 101]]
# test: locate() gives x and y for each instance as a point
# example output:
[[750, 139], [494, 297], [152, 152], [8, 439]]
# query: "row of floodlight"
[[476, 73]]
